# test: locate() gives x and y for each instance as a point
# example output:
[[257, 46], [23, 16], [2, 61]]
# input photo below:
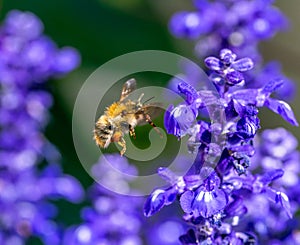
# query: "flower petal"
[[281, 198], [245, 96], [283, 109], [155, 202], [213, 63], [271, 86], [186, 201], [242, 65], [208, 203], [188, 91], [234, 77]]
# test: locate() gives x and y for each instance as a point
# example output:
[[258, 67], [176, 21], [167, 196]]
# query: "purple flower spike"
[[209, 203], [238, 195], [26, 58]]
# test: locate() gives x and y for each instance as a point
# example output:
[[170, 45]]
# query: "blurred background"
[[104, 29]]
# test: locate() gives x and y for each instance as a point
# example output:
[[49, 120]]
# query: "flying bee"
[[122, 117]]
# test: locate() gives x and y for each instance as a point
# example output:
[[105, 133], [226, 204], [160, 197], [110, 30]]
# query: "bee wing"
[[153, 110], [128, 87]]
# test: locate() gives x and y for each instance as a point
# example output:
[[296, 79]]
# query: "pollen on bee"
[[115, 109]]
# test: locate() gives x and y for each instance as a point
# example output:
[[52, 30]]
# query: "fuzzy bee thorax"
[[115, 109]]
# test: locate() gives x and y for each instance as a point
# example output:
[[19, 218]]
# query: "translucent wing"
[[128, 87], [153, 110]]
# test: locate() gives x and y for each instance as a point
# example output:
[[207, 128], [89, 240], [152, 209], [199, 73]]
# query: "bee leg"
[[148, 120], [122, 143], [131, 131]]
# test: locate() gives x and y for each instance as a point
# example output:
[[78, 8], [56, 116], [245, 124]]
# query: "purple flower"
[[24, 25], [282, 108], [166, 196], [155, 202], [225, 235], [189, 24], [279, 143], [66, 60], [261, 97], [117, 219], [277, 149], [26, 59], [178, 120], [206, 201], [272, 71], [222, 197], [29, 57], [113, 219], [238, 26], [228, 68]]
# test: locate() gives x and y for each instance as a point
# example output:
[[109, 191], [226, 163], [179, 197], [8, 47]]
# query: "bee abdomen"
[[103, 133], [101, 138]]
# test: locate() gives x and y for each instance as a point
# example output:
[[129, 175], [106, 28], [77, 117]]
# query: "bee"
[[122, 117]]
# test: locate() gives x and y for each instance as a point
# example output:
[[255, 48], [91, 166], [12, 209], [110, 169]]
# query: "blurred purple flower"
[[189, 24], [117, 219], [26, 60], [238, 26], [113, 219]]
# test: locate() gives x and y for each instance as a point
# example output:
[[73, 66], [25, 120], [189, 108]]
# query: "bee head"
[[103, 132]]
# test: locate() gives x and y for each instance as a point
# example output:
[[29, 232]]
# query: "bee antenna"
[[149, 99]]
